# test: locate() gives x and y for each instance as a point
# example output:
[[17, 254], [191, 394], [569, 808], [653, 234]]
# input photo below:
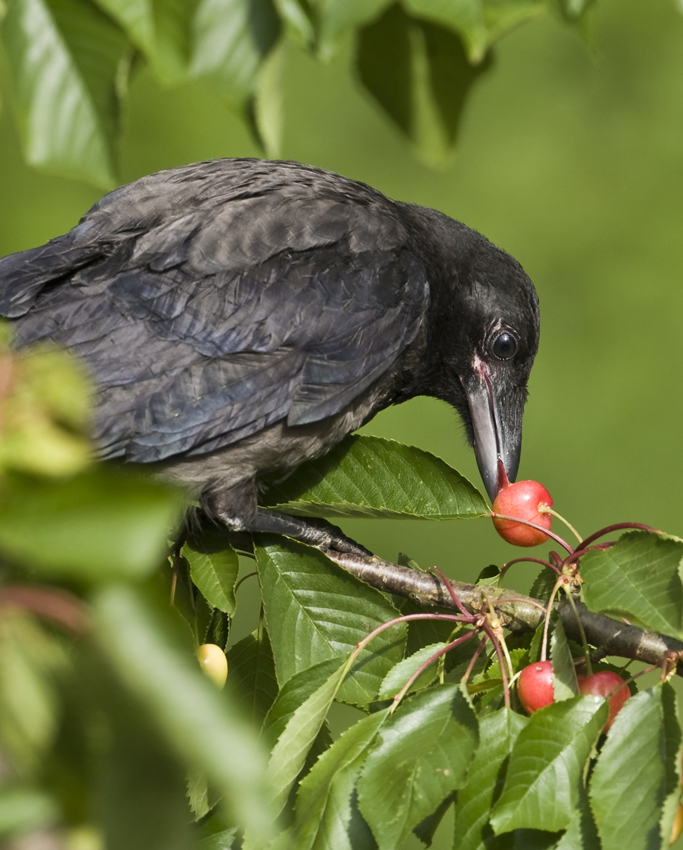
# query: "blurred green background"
[[571, 159]]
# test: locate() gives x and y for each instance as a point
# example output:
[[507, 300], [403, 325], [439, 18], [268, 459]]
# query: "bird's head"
[[485, 318]]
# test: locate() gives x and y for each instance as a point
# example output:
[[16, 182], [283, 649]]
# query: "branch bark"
[[517, 613]]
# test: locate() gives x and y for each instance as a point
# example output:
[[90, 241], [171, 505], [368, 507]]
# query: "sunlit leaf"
[[315, 611], [324, 802], [66, 57], [397, 677], [544, 777], [373, 477], [338, 17], [231, 40], [421, 754], [638, 578], [636, 770]]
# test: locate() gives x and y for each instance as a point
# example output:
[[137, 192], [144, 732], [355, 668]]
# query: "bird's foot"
[[316, 532]]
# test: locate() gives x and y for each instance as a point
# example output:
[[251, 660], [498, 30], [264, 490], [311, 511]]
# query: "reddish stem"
[[462, 639], [616, 527], [454, 596], [58, 606], [529, 560], [473, 660]]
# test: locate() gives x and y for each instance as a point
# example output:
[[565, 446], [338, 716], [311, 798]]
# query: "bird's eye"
[[504, 346]]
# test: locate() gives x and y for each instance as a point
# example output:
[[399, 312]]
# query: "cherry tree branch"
[[517, 613]]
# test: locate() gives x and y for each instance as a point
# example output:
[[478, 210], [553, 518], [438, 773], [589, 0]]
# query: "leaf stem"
[[473, 660], [508, 564], [639, 526]]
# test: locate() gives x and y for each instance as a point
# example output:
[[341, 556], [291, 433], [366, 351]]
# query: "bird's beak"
[[497, 437]]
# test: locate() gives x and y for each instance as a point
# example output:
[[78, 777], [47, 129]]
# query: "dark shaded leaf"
[[565, 683], [338, 17], [213, 568], [420, 75], [252, 674]]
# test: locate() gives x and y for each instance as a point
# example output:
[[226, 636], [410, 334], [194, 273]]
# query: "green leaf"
[[160, 29], [231, 40], [66, 58], [373, 477], [314, 611], [338, 17], [294, 693], [289, 754], [25, 810], [581, 834], [220, 841], [199, 722], [565, 683], [98, 525], [422, 754], [479, 22], [268, 107], [214, 566], [420, 75], [498, 733], [297, 22], [324, 802], [638, 578], [401, 672], [30, 660], [544, 778], [636, 770], [252, 674]]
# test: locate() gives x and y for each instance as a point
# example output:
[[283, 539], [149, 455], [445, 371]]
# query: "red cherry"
[[602, 684], [535, 686], [523, 500]]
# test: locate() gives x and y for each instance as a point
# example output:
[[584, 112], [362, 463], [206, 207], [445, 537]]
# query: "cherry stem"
[[454, 596], [584, 641], [557, 559], [616, 527], [546, 531], [473, 660], [544, 509], [507, 565], [244, 578], [406, 618], [458, 642], [501, 661], [544, 643]]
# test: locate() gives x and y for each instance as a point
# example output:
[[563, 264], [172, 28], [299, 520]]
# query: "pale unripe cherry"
[[526, 500], [213, 662]]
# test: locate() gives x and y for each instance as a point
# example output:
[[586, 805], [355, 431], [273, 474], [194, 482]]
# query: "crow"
[[241, 316]]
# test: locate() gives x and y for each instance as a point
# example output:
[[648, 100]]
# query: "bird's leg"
[[315, 532], [236, 510]]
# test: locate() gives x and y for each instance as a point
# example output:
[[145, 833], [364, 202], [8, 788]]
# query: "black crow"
[[242, 316]]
